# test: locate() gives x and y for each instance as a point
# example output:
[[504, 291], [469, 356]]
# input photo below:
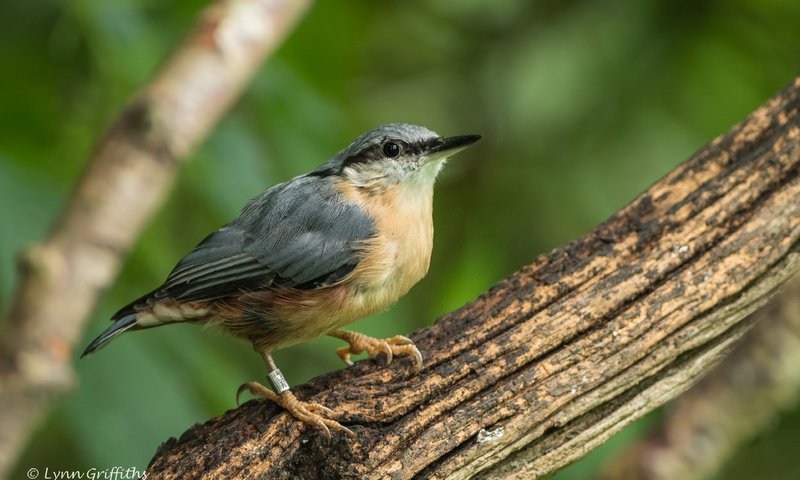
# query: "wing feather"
[[300, 234]]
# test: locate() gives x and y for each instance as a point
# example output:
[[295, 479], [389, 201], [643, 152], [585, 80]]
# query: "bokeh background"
[[582, 105]]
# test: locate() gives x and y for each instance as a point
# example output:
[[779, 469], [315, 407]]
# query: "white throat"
[[382, 175]]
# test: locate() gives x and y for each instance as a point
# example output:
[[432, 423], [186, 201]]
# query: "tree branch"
[[126, 179], [737, 400], [555, 359]]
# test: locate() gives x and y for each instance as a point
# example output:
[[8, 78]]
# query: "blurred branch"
[[555, 359], [126, 179], [737, 400]]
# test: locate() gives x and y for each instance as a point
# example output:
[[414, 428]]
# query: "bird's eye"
[[391, 149]]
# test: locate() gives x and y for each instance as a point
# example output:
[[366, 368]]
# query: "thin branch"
[[739, 399], [555, 359], [126, 179]]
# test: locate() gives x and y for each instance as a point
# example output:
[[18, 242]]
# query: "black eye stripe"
[[376, 151], [368, 148]]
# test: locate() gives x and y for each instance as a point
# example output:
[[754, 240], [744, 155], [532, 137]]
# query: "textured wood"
[[740, 399], [563, 353]]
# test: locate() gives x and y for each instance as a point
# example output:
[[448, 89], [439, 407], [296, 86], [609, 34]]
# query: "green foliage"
[[581, 104]]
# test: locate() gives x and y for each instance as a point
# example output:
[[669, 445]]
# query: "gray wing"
[[300, 234]]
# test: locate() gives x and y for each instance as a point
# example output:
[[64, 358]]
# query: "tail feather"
[[120, 326]]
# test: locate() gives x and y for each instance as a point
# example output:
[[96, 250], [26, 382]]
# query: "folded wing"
[[299, 234]]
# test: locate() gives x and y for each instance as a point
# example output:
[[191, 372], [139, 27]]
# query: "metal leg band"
[[277, 381]]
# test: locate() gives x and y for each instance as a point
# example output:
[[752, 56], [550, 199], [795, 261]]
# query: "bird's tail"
[[120, 326]]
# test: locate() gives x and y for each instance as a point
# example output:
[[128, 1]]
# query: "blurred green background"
[[582, 105]]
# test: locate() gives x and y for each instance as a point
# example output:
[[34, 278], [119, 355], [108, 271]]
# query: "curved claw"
[[404, 345], [344, 353], [338, 426], [324, 423], [321, 425], [417, 356], [252, 387], [239, 391], [387, 349]]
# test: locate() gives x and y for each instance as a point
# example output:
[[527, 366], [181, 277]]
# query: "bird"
[[311, 255]]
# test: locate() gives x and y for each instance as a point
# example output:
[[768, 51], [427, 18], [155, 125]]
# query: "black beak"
[[454, 144]]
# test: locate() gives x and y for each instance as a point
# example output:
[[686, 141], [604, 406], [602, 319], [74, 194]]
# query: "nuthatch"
[[311, 255]]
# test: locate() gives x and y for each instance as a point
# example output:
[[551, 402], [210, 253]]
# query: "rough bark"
[[126, 179], [735, 402], [553, 360]]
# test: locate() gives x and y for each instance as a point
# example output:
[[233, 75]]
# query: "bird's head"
[[393, 154]]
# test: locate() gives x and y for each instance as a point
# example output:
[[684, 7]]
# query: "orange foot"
[[311, 413], [391, 347]]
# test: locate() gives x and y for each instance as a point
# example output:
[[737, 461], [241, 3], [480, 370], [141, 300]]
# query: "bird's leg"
[[391, 347], [311, 413]]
